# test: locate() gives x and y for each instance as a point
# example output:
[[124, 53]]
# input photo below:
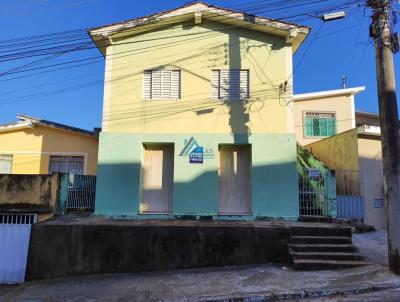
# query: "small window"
[[378, 203], [6, 164], [319, 124], [230, 84], [162, 84], [67, 164]]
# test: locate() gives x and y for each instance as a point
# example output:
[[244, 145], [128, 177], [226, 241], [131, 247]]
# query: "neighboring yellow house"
[[318, 115], [36, 146]]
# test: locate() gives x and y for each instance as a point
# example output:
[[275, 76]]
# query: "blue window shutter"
[[308, 129], [323, 127], [331, 126], [316, 127]]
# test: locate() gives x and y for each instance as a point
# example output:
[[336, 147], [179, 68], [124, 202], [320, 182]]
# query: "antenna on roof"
[[344, 82]]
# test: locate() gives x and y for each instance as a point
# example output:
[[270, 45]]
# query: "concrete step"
[[340, 248], [326, 256], [320, 239], [320, 231], [315, 219], [318, 264]]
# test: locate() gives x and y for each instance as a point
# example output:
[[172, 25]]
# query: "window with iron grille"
[[6, 164], [67, 164], [319, 124], [230, 84], [162, 84]]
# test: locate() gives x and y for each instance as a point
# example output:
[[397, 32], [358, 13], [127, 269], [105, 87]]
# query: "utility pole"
[[380, 30]]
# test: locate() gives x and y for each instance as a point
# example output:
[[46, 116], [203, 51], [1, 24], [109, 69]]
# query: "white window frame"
[[9, 158], [68, 156], [167, 89], [319, 112], [218, 95]]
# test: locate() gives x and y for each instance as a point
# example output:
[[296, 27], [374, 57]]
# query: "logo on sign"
[[196, 156], [196, 152]]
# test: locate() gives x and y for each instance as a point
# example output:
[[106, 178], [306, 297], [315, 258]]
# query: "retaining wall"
[[76, 249]]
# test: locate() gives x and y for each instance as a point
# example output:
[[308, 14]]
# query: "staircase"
[[321, 246]]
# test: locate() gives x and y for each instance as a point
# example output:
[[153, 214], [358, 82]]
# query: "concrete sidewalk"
[[251, 283], [373, 246]]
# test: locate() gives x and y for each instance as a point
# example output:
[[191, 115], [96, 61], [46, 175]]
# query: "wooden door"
[[234, 180], [157, 179]]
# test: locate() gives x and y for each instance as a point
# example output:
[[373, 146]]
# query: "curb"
[[270, 296]]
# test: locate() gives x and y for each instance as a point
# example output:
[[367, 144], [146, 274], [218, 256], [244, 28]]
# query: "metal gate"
[[313, 196], [350, 194], [81, 193], [15, 230]]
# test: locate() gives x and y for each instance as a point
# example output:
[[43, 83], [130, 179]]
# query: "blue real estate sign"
[[196, 156]]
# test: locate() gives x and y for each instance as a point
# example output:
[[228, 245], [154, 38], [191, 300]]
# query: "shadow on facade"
[[274, 191]]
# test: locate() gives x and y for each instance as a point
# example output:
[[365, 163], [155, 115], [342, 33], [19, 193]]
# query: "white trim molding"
[[39, 153], [328, 93], [17, 126]]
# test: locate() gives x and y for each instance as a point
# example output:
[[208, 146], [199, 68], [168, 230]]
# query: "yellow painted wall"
[[356, 152], [370, 153], [206, 47], [343, 106], [25, 146], [337, 152], [32, 148]]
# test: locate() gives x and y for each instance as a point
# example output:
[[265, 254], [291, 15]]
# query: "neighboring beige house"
[[318, 115]]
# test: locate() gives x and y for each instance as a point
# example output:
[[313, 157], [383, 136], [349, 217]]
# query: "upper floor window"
[[67, 164], [230, 84], [319, 124], [162, 84], [6, 164]]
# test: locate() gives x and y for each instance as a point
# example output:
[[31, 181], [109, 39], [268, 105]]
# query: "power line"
[[281, 7], [168, 37], [355, 47], [83, 85]]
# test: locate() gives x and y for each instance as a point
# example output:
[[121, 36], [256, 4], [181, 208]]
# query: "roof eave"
[[328, 93], [57, 126], [16, 126], [293, 33]]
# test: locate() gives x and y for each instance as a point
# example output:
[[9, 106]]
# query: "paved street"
[[373, 246], [216, 284]]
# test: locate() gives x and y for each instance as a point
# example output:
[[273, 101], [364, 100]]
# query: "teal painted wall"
[[195, 192]]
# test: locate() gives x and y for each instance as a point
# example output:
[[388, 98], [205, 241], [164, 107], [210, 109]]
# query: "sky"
[[333, 49]]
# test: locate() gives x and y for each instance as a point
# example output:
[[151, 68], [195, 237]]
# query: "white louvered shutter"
[[175, 84], [147, 84], [156, 84], [162, 84], [224, 80], [230, 84], [166, 84], [234, 84], [244, 85], [215, 77]]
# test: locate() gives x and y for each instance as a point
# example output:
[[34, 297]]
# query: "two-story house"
[[197, 117]]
